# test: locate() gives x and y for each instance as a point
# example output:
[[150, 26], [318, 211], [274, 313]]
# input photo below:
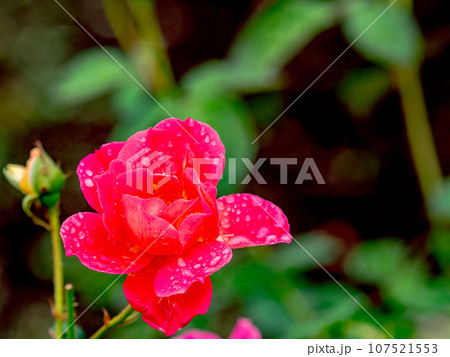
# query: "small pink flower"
[[244, 329], [161, 223]]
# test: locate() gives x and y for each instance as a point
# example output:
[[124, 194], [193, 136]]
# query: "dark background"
[[371, 189]]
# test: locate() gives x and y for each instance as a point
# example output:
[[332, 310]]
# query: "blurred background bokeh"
[[236, 65]]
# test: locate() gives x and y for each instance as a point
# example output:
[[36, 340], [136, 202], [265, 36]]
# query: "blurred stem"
[[70, 311], [136, 28], [153, 46], [115, 321], [418, 128], [58, 278], [121, 23]]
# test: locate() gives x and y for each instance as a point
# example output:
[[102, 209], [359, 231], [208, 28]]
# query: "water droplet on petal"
[[247, 218], [220, 205], [225, 223], [188, 274], [181, 263], [229, 199], [207, 139], [88, 182], [262, 233], [214, 261]]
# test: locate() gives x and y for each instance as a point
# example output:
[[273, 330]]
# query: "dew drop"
[[213, 143], [229, 199], [225, 223], [214, 261], [247, 218], [207, 139], [88, 182], [188, 274], [181, 263], [262, 233], [89, 172]]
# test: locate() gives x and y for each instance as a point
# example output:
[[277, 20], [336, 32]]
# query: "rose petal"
[[195, 265], [198, 227], [197, 334], [244, 329], [153, 234], [189, 143], [93, 165], [167, 314], [117, 182], [247, 220], [84, 235], [177, 212]]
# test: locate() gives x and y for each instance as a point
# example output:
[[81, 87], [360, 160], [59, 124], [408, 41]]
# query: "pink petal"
[[167, 314], [197, 334], [177, 212], [244, 329], [84, 235], [195, 265], [117, 182], [187, 142], [93, 165], [153, 234], [247, 220], [198, 227]]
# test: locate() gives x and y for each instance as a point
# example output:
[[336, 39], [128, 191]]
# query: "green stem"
[[153, 46], [58, 277], [70, 311], [115, 321], [418, 129], [121, 23]]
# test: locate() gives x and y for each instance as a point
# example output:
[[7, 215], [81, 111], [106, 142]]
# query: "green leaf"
[[325, 248], [268, 41], [273, 36], [375, 261], [91, 74], [362, 89], [438, 203], [439, 244], [394, 39]]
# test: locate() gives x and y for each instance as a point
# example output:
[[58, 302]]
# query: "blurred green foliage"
[[284, 292]]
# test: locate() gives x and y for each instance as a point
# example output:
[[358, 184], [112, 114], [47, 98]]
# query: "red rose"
[[158, 219]]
